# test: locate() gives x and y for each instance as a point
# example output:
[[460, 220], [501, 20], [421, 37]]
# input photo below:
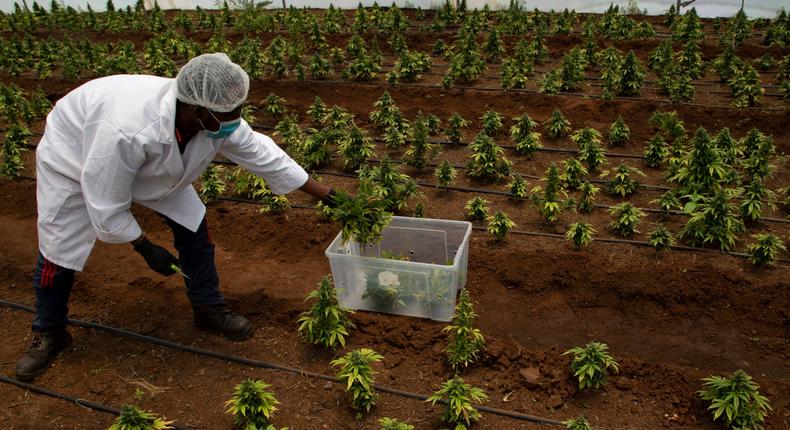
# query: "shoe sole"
[[29, 377]]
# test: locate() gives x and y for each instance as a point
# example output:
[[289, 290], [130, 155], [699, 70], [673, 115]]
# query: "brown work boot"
[[44, 347], [220, 318]]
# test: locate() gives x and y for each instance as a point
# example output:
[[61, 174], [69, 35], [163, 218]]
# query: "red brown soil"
[[669, 319]]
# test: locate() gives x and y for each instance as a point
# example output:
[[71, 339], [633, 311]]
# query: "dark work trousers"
[[53, 283]]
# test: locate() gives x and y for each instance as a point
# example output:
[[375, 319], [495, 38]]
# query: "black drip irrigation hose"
[[80, 402], [266, 365]]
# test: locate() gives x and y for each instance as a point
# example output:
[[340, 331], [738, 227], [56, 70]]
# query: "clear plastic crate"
[[423, 269]]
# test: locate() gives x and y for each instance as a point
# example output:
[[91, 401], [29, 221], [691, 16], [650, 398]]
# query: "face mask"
[[226, 128]]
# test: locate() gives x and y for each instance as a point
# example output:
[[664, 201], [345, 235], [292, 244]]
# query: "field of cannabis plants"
[[626, 177]]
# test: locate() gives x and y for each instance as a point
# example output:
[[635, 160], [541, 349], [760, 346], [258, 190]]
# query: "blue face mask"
[[226, 128]]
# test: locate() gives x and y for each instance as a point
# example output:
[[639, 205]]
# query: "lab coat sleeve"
[[110, 167], [260, 155]]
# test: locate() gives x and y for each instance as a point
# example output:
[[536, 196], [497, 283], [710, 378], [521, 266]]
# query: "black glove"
[[158, 258], [329, 199]]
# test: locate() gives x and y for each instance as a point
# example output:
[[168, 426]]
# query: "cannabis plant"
[[132, 418], [16, 138], [326, 323], [518, 187], [454, 126], [676, 84], [459, 412], [557, 126], [591, 364], [765, 249], [211, 183], [498, 225], [355, 148], [488, 162], [464, 341], [548, 197], [660, 239], [317, 110], [755, 196], [586, 202], [477, 209], [527, 141], [252, 406], [579, 423], [590, 152], [702, 170], [362, 216], [619, 133], [713, 221], [626, 218], [445, 174], [632, 75], [393, 187], [737, 400], [357, 374], [580, 233], [621, 184], [746, 86], [573, 173], [491, 122], [275, 105], [393, 424], [420, 152], [656, 151]]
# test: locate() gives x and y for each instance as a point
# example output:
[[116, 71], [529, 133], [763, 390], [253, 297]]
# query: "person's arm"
[[317, 190], [261, 156]]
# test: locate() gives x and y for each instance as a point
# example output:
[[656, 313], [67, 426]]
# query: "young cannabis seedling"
[[591, 364], [619, 133], [492, 122], [621, 183], [763, 252], [252, 406], [737, 400], [326, 323], [488, 162], [579, 423], [477, 209], [212, 184], [626, 218], [464, 341], [393, 424], [459, 412], [656, 151], [586, 202], [498, 225], [355, 148], [590, 152], [527, 141], [518, 187], [445, 174], [132, 418], [557, 126], [455, 125], [356, 372], [317, 110], [573, 173], [420, 152], [660, 239], [547, 197], [580, 233], [274, 105]]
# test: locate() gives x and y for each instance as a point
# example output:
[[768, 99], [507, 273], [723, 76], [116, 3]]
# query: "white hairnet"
[[212, 81]]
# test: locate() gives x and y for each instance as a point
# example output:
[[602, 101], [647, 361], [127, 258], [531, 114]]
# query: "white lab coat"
[[111, 142]]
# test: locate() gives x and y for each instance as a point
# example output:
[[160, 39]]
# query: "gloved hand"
[[329, 200], [158, 258]]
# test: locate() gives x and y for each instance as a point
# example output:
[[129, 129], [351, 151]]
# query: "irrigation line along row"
[[502, 193], [561, 236], [529, 91], [267, 365], [81, 402]]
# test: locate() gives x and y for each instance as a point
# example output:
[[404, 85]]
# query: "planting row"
[[676, 62]]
